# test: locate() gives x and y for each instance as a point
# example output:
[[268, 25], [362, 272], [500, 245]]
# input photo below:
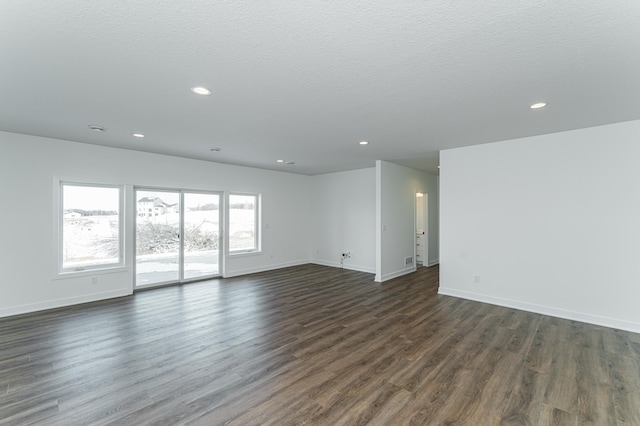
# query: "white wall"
[[549, 224], [343, 219], [28, 166], [395, 234]]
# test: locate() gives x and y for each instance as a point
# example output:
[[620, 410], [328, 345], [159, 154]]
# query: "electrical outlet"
[[94, 280], [476, 279]]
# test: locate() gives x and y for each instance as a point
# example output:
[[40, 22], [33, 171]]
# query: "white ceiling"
[[305, 81]]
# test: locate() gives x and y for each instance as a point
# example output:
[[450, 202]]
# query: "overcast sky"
[[90, 198]]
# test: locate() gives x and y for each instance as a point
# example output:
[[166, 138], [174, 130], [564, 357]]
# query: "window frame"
[[257, 225], [62, 272]]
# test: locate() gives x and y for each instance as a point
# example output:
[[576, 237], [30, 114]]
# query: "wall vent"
[[408, 261]]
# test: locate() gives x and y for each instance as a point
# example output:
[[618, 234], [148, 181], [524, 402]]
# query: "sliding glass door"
[[177, 234], [157, 237], [201, 235]]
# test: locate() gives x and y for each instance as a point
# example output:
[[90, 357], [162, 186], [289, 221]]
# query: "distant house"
[[149, 207], [71, 214]]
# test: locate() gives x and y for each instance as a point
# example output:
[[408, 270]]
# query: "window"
[[243, 223], [91, 227]]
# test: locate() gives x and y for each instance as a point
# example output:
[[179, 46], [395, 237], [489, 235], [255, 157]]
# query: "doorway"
[[177, 236], [422, 229]]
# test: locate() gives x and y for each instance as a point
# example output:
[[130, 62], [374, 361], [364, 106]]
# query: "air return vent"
[[408, 261]]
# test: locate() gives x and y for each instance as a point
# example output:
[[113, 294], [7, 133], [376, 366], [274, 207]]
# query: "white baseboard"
[[264, 268], [396, 274], [544, 310], [61, 303], [346, 265], [433, 262]]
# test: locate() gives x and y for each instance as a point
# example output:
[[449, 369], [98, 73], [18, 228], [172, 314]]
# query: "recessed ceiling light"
[[538, 105], [97, 128], [280, 161], [138, 135], [215, 149], [199, 90], [363, 143]]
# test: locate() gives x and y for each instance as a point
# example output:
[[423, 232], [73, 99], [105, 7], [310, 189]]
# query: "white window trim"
[[258, 226], [58, 217]]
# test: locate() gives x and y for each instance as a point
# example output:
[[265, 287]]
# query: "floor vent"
[[408, 261]]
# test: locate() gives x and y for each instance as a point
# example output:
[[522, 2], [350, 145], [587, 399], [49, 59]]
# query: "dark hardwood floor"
[[312, 345]]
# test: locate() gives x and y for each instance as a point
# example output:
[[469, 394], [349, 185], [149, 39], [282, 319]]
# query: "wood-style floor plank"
[[312, 345]]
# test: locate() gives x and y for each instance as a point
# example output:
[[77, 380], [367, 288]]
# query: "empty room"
[[320, 213]]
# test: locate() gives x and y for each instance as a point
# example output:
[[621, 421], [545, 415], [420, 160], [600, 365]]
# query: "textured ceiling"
[[305, 81]]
